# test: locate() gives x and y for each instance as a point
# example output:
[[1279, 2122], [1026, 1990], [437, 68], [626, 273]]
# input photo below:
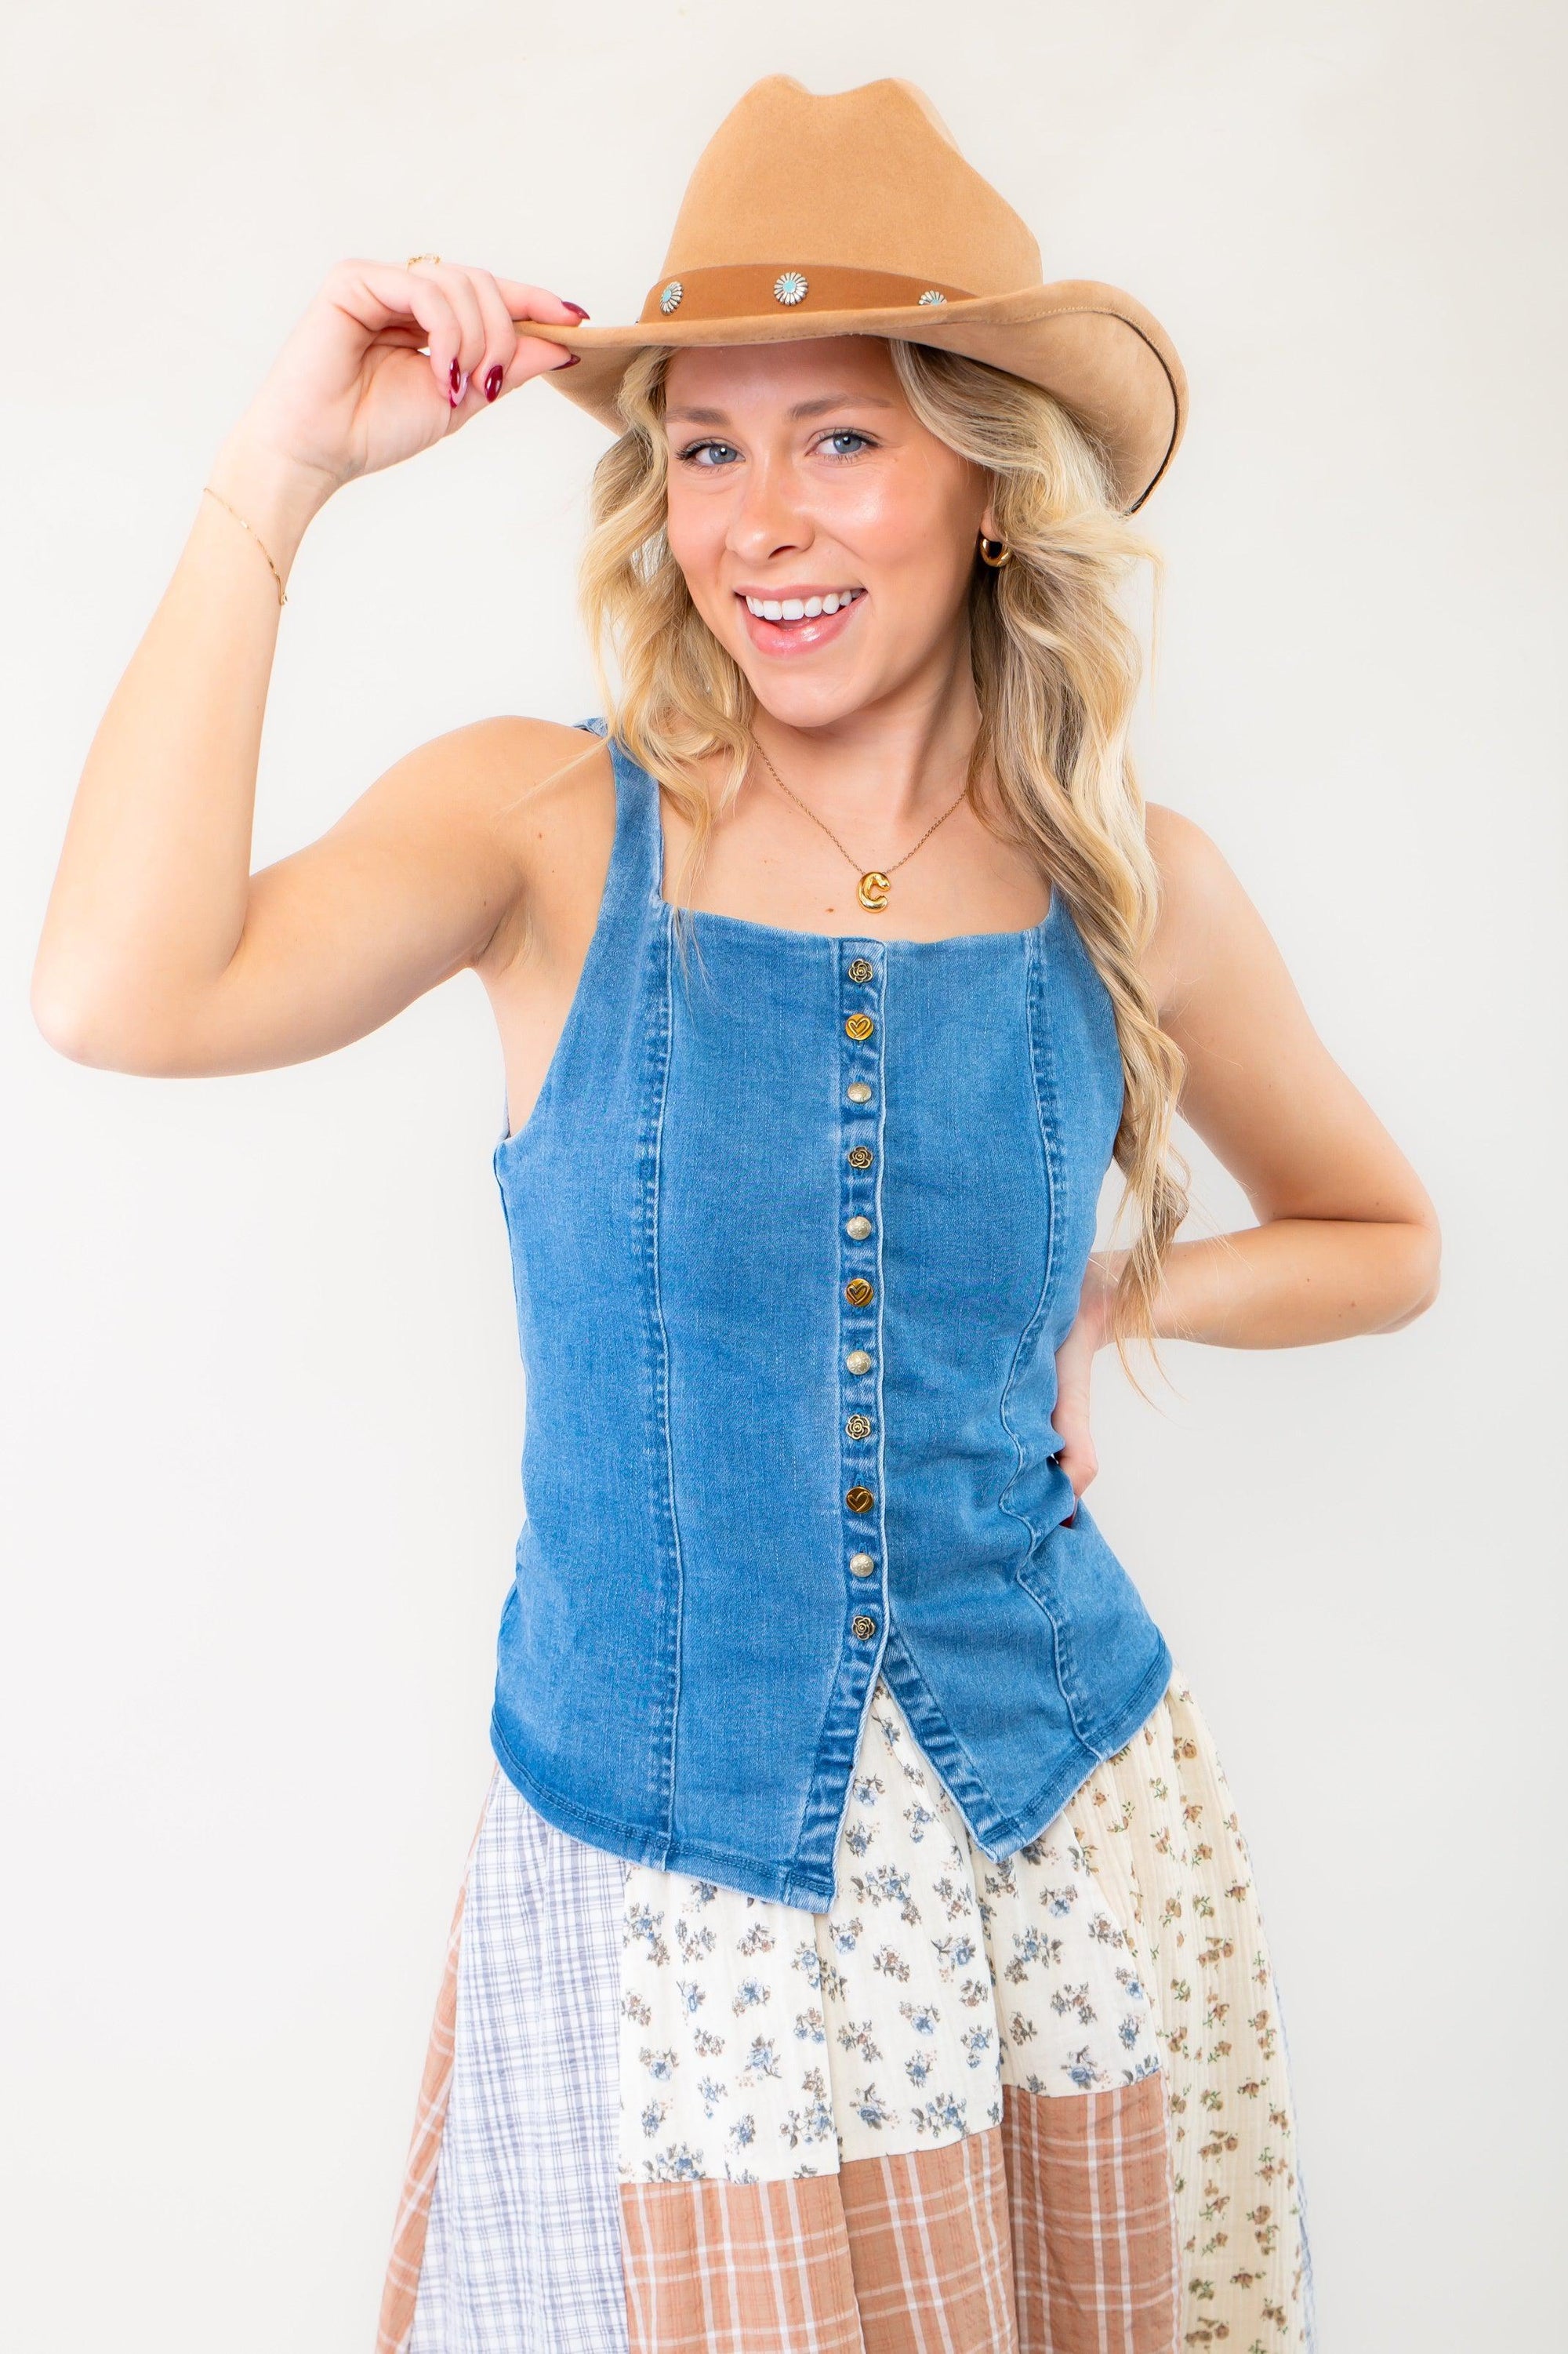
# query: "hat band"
[[752, 290]]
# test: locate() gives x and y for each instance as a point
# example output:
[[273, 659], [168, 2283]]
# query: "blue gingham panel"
[[522, 2248]]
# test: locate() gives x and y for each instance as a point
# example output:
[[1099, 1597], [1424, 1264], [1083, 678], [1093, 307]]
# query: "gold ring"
[[421, 257]]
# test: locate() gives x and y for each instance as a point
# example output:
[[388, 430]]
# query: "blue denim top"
[[798, 1223]]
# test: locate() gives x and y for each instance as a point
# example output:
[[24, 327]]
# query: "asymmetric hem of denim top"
[[798, 1223]]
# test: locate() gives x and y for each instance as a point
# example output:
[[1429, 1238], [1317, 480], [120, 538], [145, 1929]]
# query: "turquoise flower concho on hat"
[[790, 286]]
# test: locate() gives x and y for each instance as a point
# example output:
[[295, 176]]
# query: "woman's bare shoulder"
[[467, 789], [500, 765], [1203, 913], [542, 792]]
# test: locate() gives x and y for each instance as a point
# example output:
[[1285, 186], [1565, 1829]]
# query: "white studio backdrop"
[[261, 1401]]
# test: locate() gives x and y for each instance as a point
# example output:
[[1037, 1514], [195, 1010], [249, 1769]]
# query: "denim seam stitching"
[[661, 1047], [607, 913], [1144, 1697], [1049, 1189], [1043, 1075], [1005, 1823]]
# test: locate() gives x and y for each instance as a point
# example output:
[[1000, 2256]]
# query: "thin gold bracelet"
[[207, 491]]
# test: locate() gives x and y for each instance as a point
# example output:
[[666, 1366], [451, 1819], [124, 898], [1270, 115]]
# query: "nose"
[[769, 519]]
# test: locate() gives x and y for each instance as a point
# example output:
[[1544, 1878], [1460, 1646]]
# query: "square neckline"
[[643, 819], [669, 910]]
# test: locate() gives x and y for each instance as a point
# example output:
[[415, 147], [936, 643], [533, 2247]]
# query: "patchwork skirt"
[[1039, 2106]]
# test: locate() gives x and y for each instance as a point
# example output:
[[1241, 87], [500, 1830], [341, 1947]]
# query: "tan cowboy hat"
[[855, 215]]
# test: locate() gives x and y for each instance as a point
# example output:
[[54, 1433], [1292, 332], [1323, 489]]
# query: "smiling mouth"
[[808, 607]]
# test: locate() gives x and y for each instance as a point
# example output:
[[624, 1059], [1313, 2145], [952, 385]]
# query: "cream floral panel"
[[760, 2041]]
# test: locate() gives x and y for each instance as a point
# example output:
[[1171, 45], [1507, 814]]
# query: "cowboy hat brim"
[[1095, 348]]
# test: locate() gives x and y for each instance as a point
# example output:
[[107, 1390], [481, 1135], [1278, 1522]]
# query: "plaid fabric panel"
[[522, 2248], [1095, 2257], [931, 2245], [419, 2175], [902, 2255], [739, 2268]]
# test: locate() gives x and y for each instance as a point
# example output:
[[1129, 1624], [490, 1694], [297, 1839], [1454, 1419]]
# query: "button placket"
[[861, 974]]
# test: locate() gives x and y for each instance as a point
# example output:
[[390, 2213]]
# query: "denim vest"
[[798, 1223]]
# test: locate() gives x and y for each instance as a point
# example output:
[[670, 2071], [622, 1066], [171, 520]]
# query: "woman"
[[858, 1947]]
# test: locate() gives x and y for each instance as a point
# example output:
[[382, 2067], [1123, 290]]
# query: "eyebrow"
[[818, 407]]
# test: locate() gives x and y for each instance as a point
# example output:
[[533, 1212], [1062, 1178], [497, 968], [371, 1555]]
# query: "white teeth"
[[802, 609]]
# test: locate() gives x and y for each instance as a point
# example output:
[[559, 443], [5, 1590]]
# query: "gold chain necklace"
[[875, 888]]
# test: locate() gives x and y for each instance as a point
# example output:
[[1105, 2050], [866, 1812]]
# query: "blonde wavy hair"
[[1057, 671]]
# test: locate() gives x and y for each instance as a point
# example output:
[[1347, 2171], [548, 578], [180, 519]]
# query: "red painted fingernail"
[[492, 382], [576, 307], [573, 359], [452, 377]]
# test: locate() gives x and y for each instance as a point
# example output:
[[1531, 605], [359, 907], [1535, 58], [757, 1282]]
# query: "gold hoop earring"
[[1003, 554]]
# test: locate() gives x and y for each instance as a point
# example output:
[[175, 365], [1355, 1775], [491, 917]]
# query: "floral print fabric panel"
[[760, 2041], [1158, 1824]]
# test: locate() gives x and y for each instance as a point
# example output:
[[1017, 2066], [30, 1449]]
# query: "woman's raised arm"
[[161, 953]]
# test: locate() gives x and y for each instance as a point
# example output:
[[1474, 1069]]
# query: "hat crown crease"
[[919, 208]]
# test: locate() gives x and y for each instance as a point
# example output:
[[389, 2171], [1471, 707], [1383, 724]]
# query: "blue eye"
[[724, 453]]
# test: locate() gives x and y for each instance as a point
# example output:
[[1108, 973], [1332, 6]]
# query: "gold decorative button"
[[863, 1627], [857, 1229], [861, 968], [858, 1425], [858, 1292], [858, 1361], [860, 1156], [859, 1025], [859, 1499], [862, 1566]]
